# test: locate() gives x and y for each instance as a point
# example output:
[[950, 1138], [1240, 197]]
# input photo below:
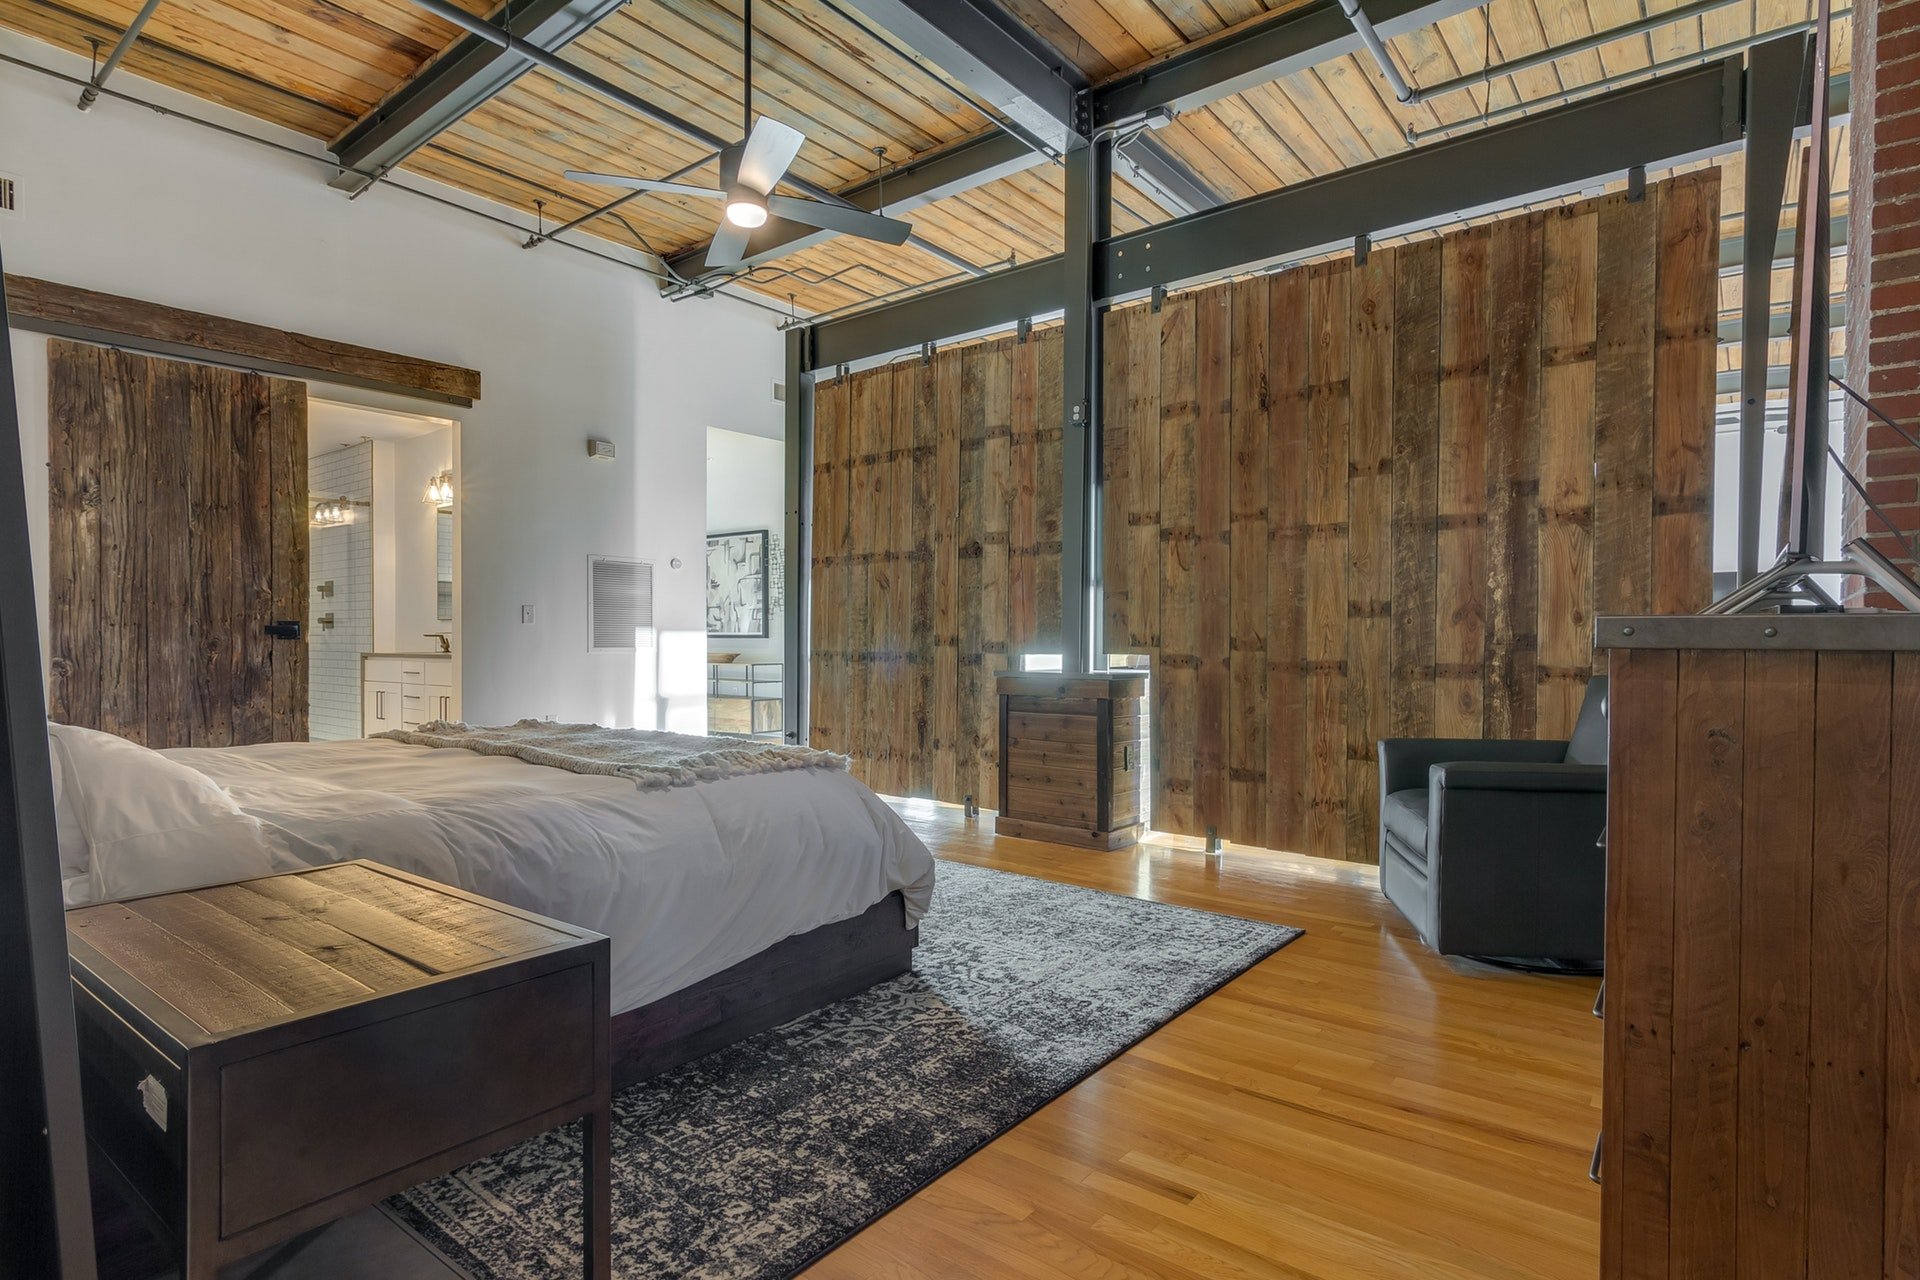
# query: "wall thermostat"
[[599, 448]]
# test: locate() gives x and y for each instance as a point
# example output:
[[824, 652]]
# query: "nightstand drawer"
[[300, 1125]]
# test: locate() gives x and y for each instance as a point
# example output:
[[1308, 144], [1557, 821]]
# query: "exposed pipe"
[[1616, 79], [91, 94], [533, 53], [1412, 96], [1363, 25]]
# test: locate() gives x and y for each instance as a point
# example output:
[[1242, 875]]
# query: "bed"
[[732, 904]]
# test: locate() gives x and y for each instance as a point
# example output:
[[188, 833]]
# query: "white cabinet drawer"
[[389, 670], [380, 707]]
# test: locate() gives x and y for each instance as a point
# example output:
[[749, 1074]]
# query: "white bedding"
[[685, 881]]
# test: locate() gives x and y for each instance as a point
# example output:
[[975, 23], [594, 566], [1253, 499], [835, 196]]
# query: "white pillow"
[[152, 825], [75, 857]]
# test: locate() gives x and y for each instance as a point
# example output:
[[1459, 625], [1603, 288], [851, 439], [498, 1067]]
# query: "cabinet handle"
[[379, 704]]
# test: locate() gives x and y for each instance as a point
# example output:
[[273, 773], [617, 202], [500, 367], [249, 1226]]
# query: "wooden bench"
[[261, 1058]]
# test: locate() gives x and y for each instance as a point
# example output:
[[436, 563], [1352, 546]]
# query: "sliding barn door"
[[177, 534]]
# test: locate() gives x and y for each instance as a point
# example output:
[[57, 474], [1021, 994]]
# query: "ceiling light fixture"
[[745, 209]]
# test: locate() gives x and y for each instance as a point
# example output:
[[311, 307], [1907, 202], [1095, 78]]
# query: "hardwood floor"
[[1352, 1106]]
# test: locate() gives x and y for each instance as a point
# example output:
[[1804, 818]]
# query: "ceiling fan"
[[749, 171]]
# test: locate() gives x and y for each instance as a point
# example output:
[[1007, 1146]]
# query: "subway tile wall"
[[342, 555]]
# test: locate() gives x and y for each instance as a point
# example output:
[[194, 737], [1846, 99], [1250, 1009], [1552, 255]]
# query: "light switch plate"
[[526, 613]]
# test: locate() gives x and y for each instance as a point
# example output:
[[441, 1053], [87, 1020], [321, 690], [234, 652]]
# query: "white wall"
[[123, 200], [415, 536], [747, 489]]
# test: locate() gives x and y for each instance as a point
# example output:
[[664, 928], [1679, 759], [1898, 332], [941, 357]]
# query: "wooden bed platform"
[[797, 975]]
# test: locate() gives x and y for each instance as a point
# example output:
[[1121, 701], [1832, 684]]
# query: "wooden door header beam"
[[69, 312]]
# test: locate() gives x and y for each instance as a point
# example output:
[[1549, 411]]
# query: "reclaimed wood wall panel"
[[177, 530], [1342, 502], [1761, 1081], [936, 558]]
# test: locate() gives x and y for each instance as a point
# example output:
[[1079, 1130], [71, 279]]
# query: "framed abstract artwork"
[[737, 584]]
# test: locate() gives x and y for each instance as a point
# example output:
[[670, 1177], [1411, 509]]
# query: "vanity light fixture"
[[332, 511], [440, 491]]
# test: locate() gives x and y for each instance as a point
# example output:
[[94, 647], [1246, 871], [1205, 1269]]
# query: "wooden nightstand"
[[261, 1058]]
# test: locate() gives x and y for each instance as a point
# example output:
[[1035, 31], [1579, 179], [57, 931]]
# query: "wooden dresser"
[[1072, 768], [1762, 1095], [258, 1059]]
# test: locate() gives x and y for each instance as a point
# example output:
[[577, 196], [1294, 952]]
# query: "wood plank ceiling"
[[314, 66]]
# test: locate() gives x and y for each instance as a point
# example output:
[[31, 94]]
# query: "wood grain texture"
[[178, 529], [46, 306], [936, 558], [1342, 502], [1252, 1136]]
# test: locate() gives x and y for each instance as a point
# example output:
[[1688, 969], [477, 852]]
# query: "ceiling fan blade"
[[644, 184], [836, 217], [771, 147], [729, 246]]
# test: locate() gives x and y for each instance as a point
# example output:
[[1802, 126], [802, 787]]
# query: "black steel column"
[[1089, 204], [796, 552], [1777, 92]]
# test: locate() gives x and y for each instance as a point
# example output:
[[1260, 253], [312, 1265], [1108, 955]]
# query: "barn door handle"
[[284, 629]]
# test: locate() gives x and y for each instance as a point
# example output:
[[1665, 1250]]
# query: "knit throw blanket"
[[653, 760]]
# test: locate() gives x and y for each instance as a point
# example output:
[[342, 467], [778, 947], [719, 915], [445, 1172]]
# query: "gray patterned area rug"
[[755, 1160]]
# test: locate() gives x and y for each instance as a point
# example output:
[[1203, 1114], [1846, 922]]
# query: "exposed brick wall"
[[1883, 278]]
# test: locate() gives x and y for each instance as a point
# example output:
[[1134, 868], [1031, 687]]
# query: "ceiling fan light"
[[746, 210]]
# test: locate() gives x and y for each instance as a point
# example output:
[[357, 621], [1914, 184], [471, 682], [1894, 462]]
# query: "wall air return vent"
[[619, 604]]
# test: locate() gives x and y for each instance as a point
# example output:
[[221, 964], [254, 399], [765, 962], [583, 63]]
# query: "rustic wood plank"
[[1118, 571], [1512, 475], [1623, 406], [216, 998], [214, 611], [47, 307], [1710, 744], [1460, 639], [358, 959], [1023, 452], [124, 535], [74, 385], [1290, 319], [287, 430], [826, 730], [1325, 502], [1212, 527], [1641, 810], [418, 944], [249, 563], [477, 922], [995, 511], [1176, 701], [1847, 1101], [1564, 616], [1902, 1246], [1145, 560], [1048, 482], [1369, 552], [1776, 883], [1246, 727], [949, 379], [290, 974], [920, 577], [870, 400], [169, 583], [1686, 337], [1416, 466]]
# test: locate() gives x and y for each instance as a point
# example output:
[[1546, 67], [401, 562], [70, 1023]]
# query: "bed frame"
[[798, 975]]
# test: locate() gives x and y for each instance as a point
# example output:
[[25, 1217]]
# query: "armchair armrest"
[[1457, 775], [1404, 762]]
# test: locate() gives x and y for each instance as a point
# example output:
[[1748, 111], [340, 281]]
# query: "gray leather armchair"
[[1488, 846]]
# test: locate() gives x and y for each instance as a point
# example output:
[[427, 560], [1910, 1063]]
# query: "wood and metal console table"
[[261, 1058]]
